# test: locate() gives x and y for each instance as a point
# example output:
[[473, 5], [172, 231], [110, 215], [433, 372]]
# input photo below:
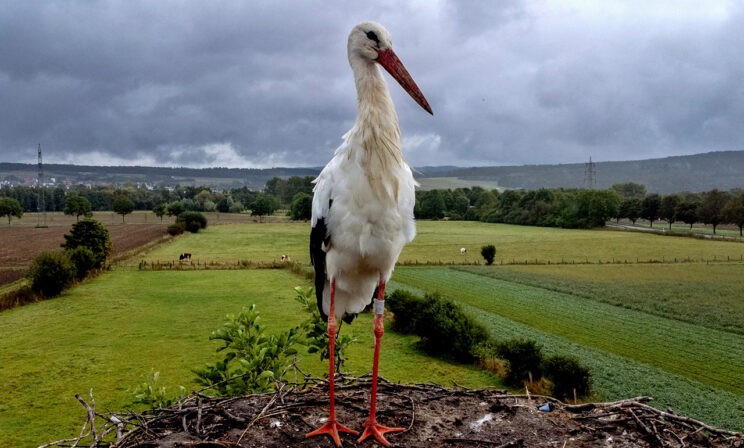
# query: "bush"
[[488, 253], [253, 359], [524, 358], [192, 221], [93, 235], [407, 309], [445, 330], [84, 261], [51, 273], [176, 229], [567, 375], [315, 330]]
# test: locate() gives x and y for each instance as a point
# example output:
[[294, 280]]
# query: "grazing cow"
[[286, 258], [184, 256], [463, 251]]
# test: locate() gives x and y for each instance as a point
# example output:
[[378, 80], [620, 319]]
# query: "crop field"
[[697, 357], [645, 323]]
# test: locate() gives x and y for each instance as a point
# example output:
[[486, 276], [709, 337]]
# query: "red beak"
[[390, 62]]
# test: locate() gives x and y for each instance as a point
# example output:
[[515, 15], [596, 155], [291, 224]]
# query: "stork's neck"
[[377, 122]]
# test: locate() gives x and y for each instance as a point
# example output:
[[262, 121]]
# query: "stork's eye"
[[372, 36]]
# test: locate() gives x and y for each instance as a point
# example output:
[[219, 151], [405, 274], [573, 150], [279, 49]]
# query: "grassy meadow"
[[643, 323], [111, 333]]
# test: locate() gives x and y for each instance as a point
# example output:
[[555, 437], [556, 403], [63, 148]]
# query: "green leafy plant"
[[51, 273], [84, 260], [253, 359], [524, 358], [154, 395], [444, 328], [176, 229], [567, 376], [407, 309], [316, 330], [192, 221]]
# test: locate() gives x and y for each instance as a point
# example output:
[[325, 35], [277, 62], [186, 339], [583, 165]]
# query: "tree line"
[[582, 208], [567, 208], [294, 194]]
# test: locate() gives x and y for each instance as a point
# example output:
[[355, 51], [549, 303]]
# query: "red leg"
[[371, 427], [331, 426]]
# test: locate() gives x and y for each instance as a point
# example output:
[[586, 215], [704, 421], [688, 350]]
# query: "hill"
[[699, 172]]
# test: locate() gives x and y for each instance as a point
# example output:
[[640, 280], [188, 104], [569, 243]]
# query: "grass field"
[[440, 242], [111, 333], [669, 330]]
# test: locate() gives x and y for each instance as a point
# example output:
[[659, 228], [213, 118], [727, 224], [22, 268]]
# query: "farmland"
[[649, 314]]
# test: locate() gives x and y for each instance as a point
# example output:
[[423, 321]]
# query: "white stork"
[[363, 208]]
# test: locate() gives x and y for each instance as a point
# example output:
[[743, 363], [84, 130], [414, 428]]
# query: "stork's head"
[[371, 41]]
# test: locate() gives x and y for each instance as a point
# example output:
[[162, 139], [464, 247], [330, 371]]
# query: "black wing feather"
[[318, 238]]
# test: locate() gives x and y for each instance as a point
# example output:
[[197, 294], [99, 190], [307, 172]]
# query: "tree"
[[192, 221], [650, 208], [10, 207], [159, 209], [430, 205], [123, 206], [686, 211], [175, 208], [668, 209], [489, 253], [710, 210], [631, 209], [733, 211], [264, 204], [77, 206], [93, 235], [302, 207], [630, 190], [595, 207]]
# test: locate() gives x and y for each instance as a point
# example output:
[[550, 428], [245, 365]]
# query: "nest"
[[434, 416]]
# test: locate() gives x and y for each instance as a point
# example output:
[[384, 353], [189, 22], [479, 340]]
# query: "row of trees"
[[294, 194], [582, 208], [568, 208]]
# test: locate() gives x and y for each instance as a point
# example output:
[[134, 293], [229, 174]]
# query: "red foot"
[[332, 428], [374, 429]]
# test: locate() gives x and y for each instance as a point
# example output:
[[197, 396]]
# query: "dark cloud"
[[267, 83]]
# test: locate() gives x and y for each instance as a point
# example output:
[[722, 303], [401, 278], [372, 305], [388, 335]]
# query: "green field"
[[673, 331], [677, 358], [111, 333], [440, 242]]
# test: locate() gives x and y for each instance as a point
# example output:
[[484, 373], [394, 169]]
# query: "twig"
[[91, 414]]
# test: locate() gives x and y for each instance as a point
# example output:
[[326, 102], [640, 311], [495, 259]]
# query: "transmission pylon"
[[590, 174], [40, 203]]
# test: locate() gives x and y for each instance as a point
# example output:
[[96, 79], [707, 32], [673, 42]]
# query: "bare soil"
[[433, 417], [21, 244]]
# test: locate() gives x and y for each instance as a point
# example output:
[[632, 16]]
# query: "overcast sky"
[[267, 83]]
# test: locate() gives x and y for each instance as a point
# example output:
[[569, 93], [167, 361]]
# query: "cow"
[[184, 256], [463, 250]]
